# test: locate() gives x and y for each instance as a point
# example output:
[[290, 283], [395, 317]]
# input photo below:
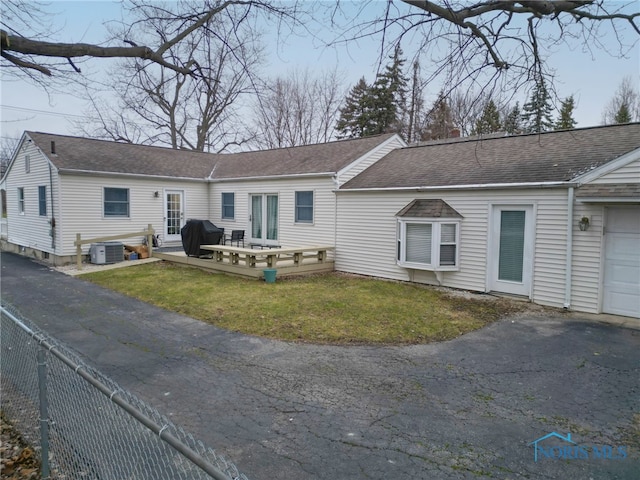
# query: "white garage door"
[[622, 262]]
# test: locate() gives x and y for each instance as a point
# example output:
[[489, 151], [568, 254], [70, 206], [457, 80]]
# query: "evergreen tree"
[[536, 113], [489, 122], [379, 108], [623, 115], [565, 120], [355, 117], [389, 94], [512, 121]]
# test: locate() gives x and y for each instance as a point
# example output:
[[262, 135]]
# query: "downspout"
[[336, 182], [53, 217], [569, 259]]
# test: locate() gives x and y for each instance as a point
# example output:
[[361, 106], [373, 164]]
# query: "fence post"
[[150, 234], [78, 251], [44, 413]]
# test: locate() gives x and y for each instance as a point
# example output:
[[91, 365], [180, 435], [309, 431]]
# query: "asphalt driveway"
[[467, 408]]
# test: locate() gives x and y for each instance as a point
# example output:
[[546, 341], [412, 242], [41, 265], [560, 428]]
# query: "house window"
[[428, 244], [228, 206], [428, 235], [42, 200], [27, 164], [116, 202], [304, 207], [21, 200]]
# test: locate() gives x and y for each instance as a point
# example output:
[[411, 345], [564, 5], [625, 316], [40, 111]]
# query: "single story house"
[[552, 217], [60, 186]]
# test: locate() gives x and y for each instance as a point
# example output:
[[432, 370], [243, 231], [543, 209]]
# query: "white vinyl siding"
[[366, 237], [628, 174], [30, 229], [290, 233], [82, 206]]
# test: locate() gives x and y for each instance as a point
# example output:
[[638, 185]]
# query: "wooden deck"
[[251, 262]]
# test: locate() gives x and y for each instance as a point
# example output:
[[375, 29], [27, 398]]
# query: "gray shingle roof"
[[83, 154], [428, 208], [547, 157], [308, 159], [75, 153]]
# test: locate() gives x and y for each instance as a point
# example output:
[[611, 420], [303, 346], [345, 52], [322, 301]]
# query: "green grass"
[[330, 308]]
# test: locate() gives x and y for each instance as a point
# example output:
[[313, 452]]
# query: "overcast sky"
[[591, 79]]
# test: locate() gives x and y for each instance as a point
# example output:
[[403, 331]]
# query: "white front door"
[[264, 219], [511, 250], [621, 291], [173, 215]]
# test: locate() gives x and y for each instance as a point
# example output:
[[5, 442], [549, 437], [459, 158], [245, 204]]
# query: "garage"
[[621, 288]]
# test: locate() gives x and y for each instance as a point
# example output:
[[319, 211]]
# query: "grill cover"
[[199, 232]]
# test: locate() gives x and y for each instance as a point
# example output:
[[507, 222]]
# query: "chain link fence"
[[82, 424]]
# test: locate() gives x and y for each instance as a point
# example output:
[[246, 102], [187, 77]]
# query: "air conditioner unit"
[[106, 252]]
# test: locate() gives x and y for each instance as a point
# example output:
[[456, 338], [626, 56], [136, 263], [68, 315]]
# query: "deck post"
[[150, 233]]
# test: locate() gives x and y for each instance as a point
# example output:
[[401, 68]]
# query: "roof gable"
[[539, 158]]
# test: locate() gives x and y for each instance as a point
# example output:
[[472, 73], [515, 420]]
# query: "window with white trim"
[[116, 202], [428, 244], [228, 205], [304, 207], [42, 200], [21, 200]]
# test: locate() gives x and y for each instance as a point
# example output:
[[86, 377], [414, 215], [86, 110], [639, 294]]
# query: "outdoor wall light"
[[156, 194], [584, 224]]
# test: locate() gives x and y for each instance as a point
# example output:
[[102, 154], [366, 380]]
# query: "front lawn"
[[330, 308]]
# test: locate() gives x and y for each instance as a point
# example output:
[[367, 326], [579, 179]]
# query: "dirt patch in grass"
[[330, 308]]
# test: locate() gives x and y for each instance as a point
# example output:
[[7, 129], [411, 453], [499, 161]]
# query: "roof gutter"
[[275, 177], [67, 171], [475, 186]]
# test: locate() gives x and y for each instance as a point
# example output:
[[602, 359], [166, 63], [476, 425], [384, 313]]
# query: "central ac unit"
[[106, 252]]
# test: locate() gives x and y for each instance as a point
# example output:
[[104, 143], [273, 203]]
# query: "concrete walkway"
[[467, 408]]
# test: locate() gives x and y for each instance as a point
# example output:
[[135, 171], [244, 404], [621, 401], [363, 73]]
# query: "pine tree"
[[355, 117], [489, 122], [512, 121], [536, 113], [389, 94], [565, 120], [623, 115]]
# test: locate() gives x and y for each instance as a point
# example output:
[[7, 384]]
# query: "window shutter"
[[418, 237]]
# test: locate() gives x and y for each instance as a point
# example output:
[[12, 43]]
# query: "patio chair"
[[237, 236]]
